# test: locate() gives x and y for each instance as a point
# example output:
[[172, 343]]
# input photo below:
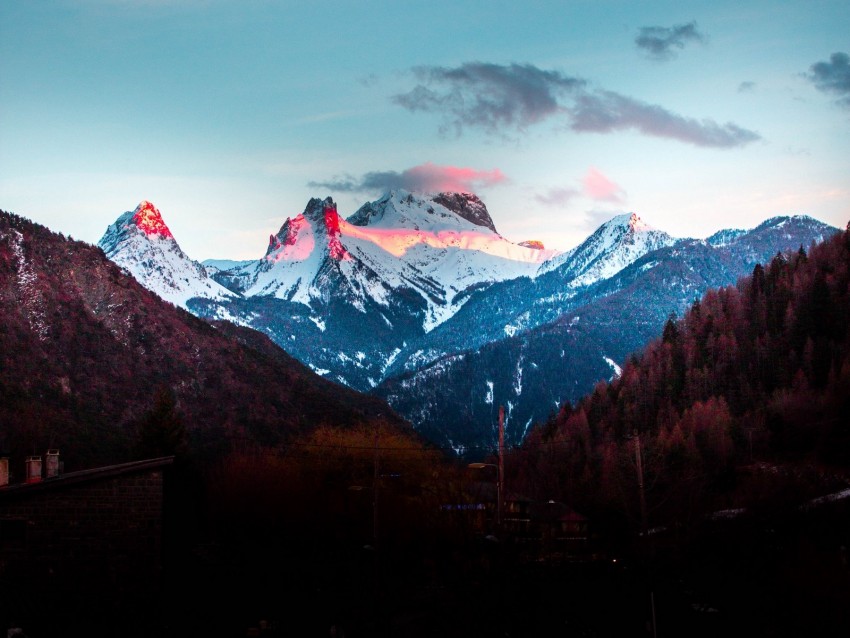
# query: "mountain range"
[[85, 350], [419, 300]]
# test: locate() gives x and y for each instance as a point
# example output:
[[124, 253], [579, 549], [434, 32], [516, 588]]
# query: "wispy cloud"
[[558, 197], [597, 186], [500, 99], [660, 43], [426, 177], [490, 96], [594, 185], [606, 111], [833, 77]]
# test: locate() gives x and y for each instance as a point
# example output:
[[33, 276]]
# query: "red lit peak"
[[332, 226], [148, 219], [332, 220]]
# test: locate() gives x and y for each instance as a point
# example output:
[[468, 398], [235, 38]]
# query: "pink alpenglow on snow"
[[297, 243], [298, 238], [332, 225], [149, 220], [397, 241]]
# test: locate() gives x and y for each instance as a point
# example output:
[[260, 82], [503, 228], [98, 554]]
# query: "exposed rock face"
[[533, 243], [467, 206]]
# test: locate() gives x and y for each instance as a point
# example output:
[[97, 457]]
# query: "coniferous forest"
[[754, 377], [740, 413]]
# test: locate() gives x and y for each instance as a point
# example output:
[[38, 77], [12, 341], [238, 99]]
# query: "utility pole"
[[375, 478], [645, 526], [501, 478], [639, 462]]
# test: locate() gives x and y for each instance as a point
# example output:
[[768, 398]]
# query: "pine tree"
[[161, 429]]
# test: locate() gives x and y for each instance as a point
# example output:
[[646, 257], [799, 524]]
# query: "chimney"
[[52, 463], [4, 471], [33, 469]]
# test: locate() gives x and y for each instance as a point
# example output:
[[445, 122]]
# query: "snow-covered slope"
[[725, 237], [440, 246], [616, 244], [140, 242], [217, 265], [448, 381]]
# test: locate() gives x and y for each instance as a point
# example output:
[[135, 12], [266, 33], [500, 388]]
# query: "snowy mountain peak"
[[140, 242], [636, 224], [434, 211], [299, 236], [144, 222], [149, 220], [316, 208], [467, 206], [617, 243], [439, 247], [628, 223]]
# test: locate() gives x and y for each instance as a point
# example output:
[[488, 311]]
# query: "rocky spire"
[[148, 219]]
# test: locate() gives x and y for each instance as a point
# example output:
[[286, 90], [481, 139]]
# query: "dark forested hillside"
[[717, 466], [87, 354], [754, 380]]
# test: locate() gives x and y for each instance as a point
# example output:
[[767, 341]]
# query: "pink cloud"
[[431, 177], [598, 186], [428, 178]]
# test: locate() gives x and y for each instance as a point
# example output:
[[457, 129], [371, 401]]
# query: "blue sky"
[[229, 116]]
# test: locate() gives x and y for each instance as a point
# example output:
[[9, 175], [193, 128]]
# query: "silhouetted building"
[[83, 547]]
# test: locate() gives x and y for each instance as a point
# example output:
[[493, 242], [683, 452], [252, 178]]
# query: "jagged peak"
[[466, 206], [322, 217], [148, 219], [315, 211], [629, 222], [625, 234], [315, 208], [143, 221], [140, 242]]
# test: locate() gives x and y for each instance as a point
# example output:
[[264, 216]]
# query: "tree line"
[[751, 387]]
